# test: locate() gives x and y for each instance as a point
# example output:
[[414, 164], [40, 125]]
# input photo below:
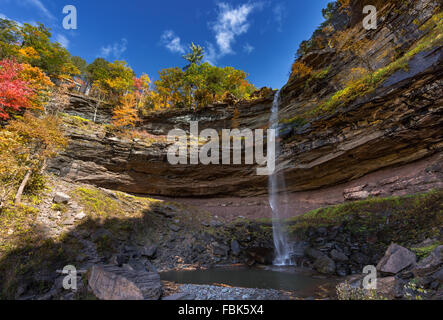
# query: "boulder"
[[114, 283], [387, 287], [396, 259], [220, 249], [61, 198], [235, 248], [313, 253], [325, 265], [438, 276], [80, 216], [338, 256], [430, 264], [360, 258], [149, 252]]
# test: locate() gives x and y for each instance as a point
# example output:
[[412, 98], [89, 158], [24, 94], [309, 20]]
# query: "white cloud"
[[248, 48], [231, 22], [62, 40], [39, 5], [172, 42], [279, 15], [115, 50]]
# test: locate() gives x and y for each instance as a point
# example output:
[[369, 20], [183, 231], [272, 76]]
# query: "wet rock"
[[61, 198], [199, 248], [220, 249], [149, 252], [438, 276], [261, 255], [430, 264], [313, 253], [360, 258], [337, 255], [342, 270], [114, 283], [396, 259], [235, 248], [324, 265]]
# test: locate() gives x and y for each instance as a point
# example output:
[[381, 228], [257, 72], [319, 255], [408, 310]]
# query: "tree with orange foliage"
[[300, 69], [126, 114], [345, 6]]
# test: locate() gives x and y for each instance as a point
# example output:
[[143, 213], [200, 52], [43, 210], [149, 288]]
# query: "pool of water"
[[287, 279]]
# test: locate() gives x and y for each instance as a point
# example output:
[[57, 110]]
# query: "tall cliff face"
[[332, 135]]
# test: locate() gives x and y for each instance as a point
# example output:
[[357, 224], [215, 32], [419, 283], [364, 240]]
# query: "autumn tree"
[[169, 88], [120, 80], [9, 38], [11, 168], [53, 58], [126, 113], [40, 139], [15, 92], [113, 79], [300, 69], [141, 90], [199, 85], [81, 65], [98, 70]]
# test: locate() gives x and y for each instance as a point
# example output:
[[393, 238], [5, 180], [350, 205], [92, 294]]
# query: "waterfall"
[[277, 195]]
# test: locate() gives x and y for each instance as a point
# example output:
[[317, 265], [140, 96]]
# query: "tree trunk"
[[18, 196]]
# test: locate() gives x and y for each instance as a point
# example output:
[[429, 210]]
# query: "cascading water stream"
[[277, 195]]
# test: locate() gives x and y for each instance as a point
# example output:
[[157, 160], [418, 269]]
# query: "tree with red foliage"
[[15, 93]]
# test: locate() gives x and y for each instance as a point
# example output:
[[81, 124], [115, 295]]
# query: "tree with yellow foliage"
[[126, 113], [300, 69], [29, 141]]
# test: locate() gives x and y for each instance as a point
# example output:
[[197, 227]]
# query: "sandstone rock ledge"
[[114, 283]]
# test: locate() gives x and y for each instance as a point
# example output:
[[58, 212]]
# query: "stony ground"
[[207, 292]]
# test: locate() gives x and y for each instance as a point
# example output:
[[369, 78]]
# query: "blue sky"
[[260, 37]]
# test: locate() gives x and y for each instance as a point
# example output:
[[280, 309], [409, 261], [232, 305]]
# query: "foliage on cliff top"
[[32, 44]]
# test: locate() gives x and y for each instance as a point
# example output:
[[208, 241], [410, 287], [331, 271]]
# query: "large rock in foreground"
[[430, 264], [396, 259], [325, 265], [114, 283]]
